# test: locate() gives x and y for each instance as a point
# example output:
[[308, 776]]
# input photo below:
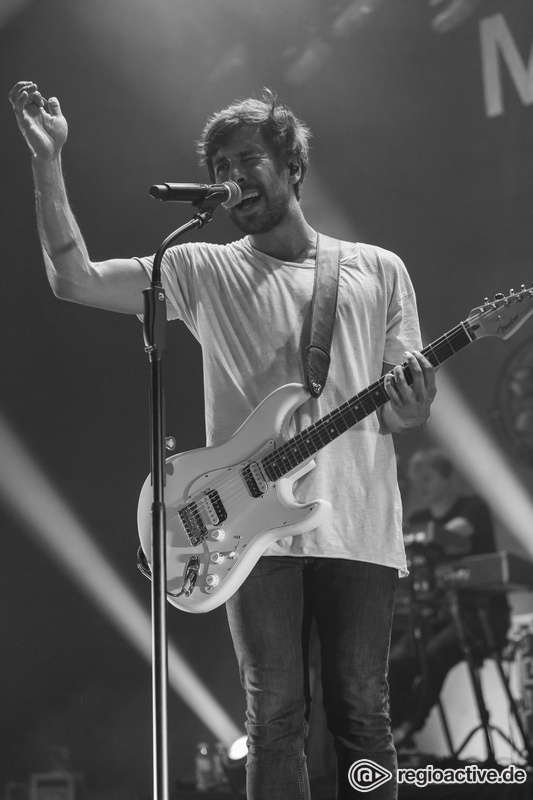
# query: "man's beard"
[[276, 211]]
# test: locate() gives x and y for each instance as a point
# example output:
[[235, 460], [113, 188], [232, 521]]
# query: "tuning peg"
[[499, 297], [489, 303]]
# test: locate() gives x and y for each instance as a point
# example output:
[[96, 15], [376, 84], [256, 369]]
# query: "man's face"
[[249, 161], [431, 486]]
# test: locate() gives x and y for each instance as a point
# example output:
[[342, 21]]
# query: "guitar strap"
[[323, 310]]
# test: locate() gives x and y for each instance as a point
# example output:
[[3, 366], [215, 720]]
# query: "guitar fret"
[[306, 445], [271, 468], [354, 410], [439, 352], [369, 403], [447, 345], [341, 423]]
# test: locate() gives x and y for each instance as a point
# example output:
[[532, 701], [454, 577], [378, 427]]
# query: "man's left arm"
[[409, 405]]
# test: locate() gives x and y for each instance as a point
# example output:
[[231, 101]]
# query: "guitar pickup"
[[254, 479], [214, 508]]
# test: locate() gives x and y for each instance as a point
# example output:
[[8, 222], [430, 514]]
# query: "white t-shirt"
[[248, 311]]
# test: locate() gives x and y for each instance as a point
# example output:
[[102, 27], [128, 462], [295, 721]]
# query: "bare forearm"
[[115, 284], [65, 254]]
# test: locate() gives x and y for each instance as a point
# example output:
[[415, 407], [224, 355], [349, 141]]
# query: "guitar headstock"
[[502, 316]]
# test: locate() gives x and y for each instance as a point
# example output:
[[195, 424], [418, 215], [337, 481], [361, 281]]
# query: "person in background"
[[447, 525]]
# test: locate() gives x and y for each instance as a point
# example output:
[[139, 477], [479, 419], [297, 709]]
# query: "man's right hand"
[[45, 130]]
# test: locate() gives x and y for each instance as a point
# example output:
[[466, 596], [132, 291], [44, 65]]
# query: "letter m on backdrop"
[[497, 47]]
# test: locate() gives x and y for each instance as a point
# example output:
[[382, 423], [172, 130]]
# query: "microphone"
[[228, 193]]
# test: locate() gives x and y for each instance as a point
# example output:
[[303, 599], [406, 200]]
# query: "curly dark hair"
[[282, 130]]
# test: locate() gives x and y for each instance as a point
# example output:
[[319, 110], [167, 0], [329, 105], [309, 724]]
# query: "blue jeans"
[[270, 618]]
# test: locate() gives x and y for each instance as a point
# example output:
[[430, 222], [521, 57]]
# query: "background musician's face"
[[429, 484]]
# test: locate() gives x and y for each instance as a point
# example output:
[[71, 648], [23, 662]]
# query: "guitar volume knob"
[[217, 535]]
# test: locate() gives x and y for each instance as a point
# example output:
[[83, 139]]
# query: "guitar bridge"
[[193, 523]]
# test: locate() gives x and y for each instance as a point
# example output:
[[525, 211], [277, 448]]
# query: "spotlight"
[[234, 763]]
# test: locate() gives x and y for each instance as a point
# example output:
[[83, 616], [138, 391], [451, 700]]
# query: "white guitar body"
[[234, 540]]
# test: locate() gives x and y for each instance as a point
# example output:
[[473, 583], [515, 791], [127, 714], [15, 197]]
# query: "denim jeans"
[[270, 618]]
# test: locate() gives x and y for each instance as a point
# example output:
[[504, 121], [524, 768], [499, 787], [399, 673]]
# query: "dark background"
[[404, 156]]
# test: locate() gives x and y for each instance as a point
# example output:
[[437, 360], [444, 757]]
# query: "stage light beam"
[[34, 500], [455, 427]]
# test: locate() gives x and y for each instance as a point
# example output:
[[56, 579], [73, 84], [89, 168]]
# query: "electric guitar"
[[226, 504]]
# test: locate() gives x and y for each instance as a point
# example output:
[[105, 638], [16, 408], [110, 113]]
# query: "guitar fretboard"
[[312, 439]]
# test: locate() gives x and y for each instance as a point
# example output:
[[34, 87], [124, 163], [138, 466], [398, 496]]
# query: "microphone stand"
[[154, 323]]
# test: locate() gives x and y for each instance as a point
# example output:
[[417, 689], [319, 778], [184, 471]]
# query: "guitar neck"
[[312, 439]]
